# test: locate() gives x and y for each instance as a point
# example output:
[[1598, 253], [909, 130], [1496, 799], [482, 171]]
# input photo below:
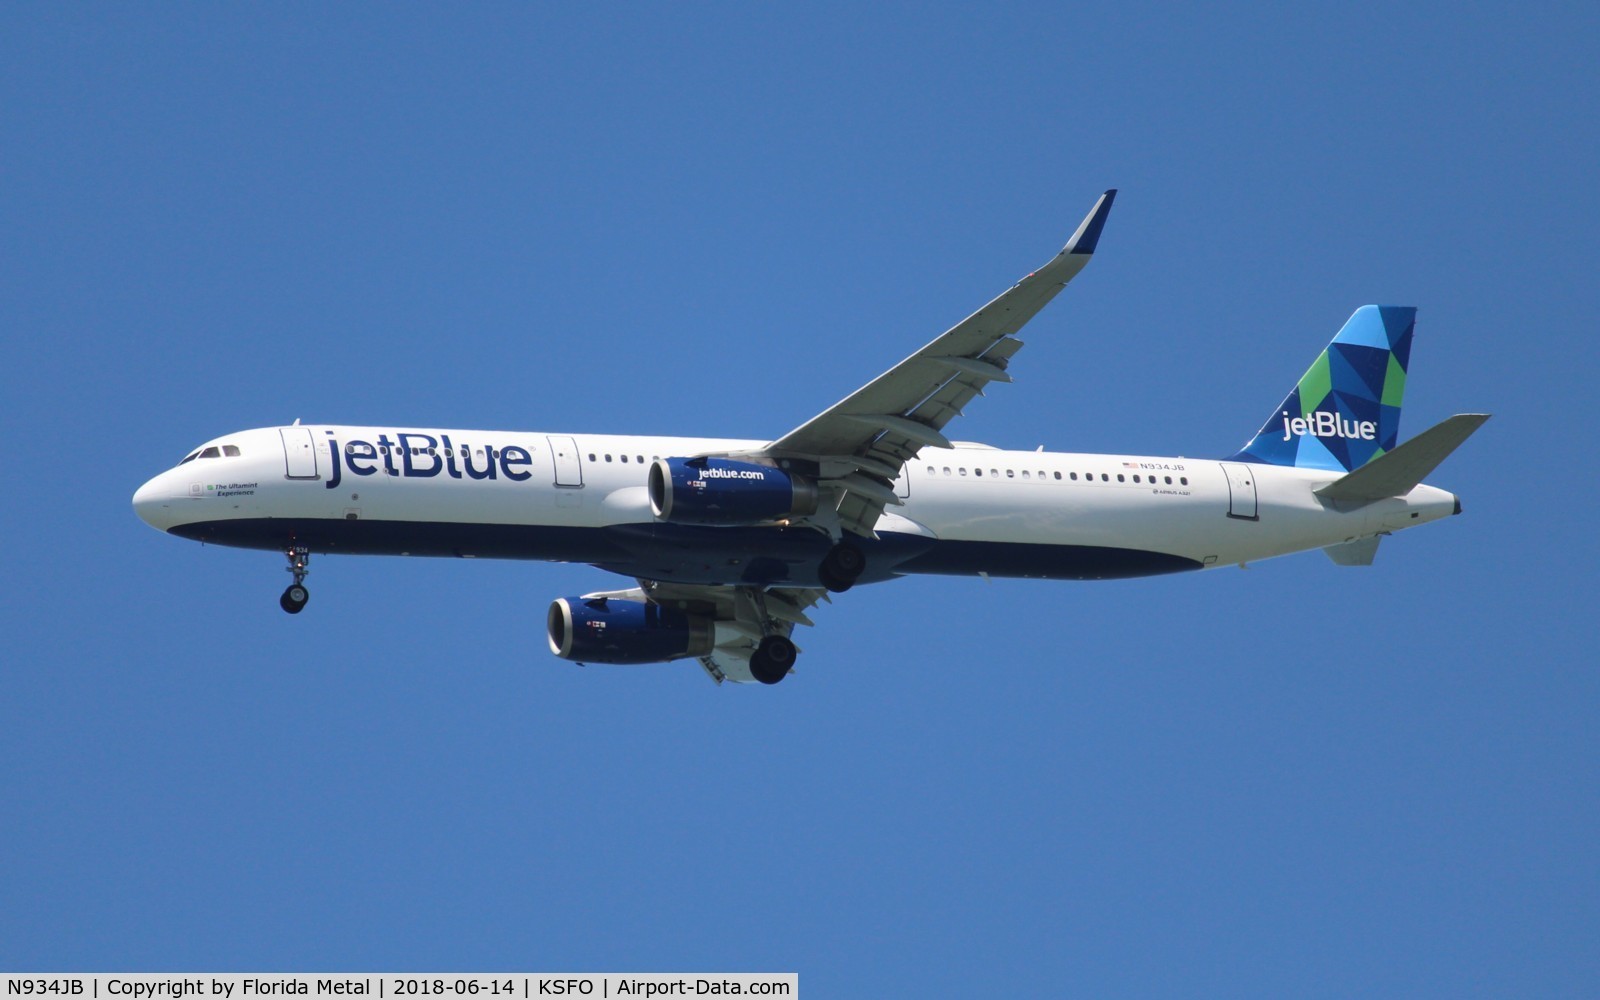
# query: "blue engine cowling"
[[609, 630], [722, 491]]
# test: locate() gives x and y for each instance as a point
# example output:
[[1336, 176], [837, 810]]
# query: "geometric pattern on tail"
[[1345, 410]]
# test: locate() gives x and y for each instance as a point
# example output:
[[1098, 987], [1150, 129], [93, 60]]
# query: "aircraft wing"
[[862, 442]]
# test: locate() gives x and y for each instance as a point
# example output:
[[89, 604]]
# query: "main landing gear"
[[841, 567], [773, 659], [294, 599]]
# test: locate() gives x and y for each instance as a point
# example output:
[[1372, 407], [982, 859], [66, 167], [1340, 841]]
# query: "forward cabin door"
[[299, 457], [1241, 491]]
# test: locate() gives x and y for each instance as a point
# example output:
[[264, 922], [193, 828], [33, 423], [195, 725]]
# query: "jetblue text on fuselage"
[[1323, 424], [715, 473], [423, 456]]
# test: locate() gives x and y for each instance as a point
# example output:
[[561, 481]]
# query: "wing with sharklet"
[[862, 443]]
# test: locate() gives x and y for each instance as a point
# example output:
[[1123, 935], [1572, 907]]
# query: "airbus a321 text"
[[732, 542]]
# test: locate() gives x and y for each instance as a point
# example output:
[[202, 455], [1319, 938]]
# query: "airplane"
[[732, 542]]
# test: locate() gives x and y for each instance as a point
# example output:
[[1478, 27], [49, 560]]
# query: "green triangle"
[[1394, 383], [1315, 384]]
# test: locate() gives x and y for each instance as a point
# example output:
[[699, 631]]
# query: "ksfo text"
[[681, 987]]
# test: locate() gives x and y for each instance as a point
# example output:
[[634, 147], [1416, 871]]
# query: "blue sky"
[[1293, 780]]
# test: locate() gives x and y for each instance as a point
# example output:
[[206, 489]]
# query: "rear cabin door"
[[1241, 491], [299, 457], [564, 453]]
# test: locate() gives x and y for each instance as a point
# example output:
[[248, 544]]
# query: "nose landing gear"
[[295, 597]]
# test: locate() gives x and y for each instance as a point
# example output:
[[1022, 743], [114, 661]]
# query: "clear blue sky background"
[[1295, 780]]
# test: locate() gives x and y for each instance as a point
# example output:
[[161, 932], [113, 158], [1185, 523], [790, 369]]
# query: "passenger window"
[[1169, 480], [608, 456], [624, 459], [1184, 480], [640, 458], [977, 472], [1058, 475], [1120, 479], [962, 470], [947, 470], [1011, 473], [995, 473], [591, 456], [1104, 478], [1025, 474], [1074, 477]]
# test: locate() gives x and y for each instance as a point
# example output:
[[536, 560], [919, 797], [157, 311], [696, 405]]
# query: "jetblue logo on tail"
[[1345, 409], [1322, 424]]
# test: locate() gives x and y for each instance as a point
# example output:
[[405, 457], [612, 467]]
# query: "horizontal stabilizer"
[[1357, 553], [1398, 472]]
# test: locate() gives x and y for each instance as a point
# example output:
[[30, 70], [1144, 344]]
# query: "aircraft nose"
[[152, 503]]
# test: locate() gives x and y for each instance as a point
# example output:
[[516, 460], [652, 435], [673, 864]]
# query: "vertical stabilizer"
[[1345, 410]]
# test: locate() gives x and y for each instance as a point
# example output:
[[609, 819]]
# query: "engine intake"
[[609, 630], [725, 492]]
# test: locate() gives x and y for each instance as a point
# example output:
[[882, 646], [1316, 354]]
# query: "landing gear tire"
[[294, 599], [773, 659], [841, 567]]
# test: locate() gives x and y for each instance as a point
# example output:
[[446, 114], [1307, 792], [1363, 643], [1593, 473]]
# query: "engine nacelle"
[[722, 491], [608, 630]]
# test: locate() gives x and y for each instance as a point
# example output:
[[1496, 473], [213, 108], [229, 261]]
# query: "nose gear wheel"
[[295, 597]]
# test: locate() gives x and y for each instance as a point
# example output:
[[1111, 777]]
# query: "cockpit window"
[[230, 450], [211, 452], [190, 457]]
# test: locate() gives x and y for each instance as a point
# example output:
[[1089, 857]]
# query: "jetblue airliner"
[[733, 541]]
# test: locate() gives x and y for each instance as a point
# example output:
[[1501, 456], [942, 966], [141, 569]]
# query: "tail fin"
[[1345, 411]]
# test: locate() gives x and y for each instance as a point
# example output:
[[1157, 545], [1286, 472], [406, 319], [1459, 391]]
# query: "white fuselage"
[[583, 498]]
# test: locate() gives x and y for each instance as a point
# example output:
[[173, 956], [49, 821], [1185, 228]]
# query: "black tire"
[[294, 599], [773, 659], [841, 567], [831, 583]]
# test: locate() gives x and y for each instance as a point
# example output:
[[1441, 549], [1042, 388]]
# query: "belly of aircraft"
[[688, 554]]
